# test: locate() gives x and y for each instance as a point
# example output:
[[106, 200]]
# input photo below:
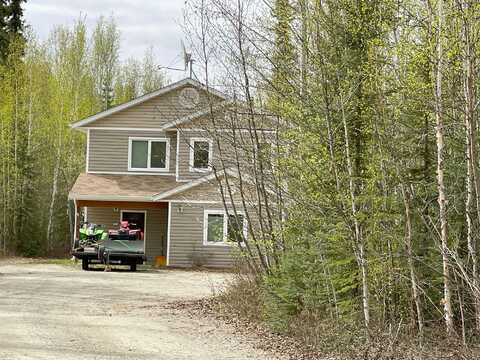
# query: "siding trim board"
[[169, 227], [185, 201], [112, 198], [225, 130], [176, 156], [87, 156], [122, 204], [130, 173], [123, 129]]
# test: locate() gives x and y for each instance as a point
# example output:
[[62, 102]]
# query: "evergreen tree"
[[11, 24], [15, 23]]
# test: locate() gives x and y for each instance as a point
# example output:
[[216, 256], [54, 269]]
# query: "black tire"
[[133, 267], [84, 264]]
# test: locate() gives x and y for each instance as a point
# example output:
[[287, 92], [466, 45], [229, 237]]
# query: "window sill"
[[219, 244], [148, 170], [200, 170], [223, 244]]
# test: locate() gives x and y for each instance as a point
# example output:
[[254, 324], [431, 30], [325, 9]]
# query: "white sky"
[[142, 24]]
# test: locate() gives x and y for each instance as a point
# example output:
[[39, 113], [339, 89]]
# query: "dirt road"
[[60, 312]]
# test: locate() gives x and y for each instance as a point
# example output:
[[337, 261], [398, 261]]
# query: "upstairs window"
[[148, 154], [220, 229], [200, 154]]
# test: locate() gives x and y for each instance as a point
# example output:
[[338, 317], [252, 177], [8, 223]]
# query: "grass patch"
[[57, 261]]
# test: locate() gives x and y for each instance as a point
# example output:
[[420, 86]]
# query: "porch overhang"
[[119, 188], [135, 205]]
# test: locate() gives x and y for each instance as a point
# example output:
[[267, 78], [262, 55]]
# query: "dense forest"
[[45, 86], [368, 200], [369, 203]]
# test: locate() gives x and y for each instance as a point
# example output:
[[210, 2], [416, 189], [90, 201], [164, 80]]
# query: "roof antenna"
[[187, 62], [187, 59]]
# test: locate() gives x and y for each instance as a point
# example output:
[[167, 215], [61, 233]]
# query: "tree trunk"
[[56, 173], [359, 240], [472, 180], [442, 197], [411, 265]]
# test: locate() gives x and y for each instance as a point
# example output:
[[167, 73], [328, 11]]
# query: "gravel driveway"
[[60, 312]]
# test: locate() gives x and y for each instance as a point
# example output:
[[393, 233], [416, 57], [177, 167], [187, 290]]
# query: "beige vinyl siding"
[[108, 149], [156, 227], [186, 239], [156, 237], [153, 113], [228, 157], [103, 216]]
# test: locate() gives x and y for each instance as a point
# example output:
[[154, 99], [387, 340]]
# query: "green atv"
[[124, 246], [91, 233], [91, 236]]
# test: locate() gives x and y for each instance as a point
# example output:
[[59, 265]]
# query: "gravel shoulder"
[[60, 312]]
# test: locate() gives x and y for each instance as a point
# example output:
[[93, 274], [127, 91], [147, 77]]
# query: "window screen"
[[200, 154], [158, 155], [139, 154], [215, 228]]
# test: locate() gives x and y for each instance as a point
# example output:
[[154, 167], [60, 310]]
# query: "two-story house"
[[149, 162]]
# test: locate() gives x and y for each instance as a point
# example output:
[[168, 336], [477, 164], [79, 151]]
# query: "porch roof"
[[120, 187]]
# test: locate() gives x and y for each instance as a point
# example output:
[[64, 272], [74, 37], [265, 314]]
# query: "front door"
[[136, 219]]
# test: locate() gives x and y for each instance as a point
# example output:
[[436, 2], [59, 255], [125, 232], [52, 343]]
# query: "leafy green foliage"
[[45, 86]]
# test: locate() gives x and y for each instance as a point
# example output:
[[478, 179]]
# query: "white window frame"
[[192, 142], [149, 147], [225, 227]]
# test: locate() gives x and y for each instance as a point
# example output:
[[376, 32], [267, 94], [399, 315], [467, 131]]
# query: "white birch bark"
[[359, 240], [442, 197], [51, 209], [411, 265], [472, 180]]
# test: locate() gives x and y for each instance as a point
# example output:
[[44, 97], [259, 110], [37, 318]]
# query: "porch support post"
[[75, 227], [169, 224]]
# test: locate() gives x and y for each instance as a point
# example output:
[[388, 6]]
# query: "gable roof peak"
[[146, 97]]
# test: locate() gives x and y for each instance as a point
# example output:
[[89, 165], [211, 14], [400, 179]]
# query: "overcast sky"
[[142, 23]]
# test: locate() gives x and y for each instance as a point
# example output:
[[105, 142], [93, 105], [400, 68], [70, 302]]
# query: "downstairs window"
[[222, 230]]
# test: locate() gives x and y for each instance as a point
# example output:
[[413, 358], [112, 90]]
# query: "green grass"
[[58, 261]]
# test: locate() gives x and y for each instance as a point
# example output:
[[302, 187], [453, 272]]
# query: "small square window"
[[200, 154]]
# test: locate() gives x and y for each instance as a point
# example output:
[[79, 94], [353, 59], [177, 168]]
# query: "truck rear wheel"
[[84, 264], [133, 267]]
